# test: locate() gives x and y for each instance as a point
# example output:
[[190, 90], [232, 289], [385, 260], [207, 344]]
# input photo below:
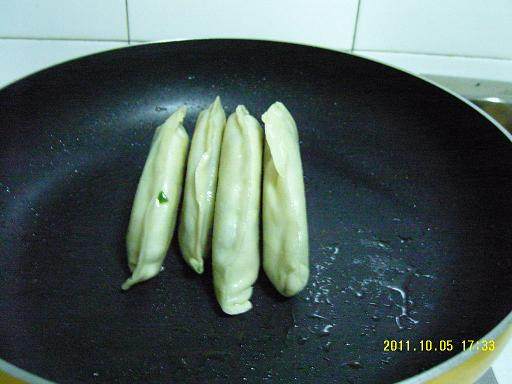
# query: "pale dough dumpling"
[[201, 186], [235, 248], [285, 230], [154, 210]]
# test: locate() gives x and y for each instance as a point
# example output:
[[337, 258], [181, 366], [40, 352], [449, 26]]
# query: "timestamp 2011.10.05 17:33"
[[444, 345]]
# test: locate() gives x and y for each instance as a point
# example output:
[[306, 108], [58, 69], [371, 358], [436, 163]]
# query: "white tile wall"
[[328, 23], [442, 37], [449, 27], [63, 19], [489, 69], [427, 37]]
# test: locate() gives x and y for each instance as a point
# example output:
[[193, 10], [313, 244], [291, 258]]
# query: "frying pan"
[[408, 192]]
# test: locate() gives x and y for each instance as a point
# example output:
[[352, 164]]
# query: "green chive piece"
[[162, 197]]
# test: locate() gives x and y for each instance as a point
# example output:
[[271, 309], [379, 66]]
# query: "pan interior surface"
[[408, 193]]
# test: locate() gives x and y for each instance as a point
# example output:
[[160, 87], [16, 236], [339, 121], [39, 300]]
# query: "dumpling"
[[285, 230], [154, 210], [201, 186], [235, 244]]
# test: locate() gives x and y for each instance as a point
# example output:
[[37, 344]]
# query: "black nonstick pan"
[[409, 206]]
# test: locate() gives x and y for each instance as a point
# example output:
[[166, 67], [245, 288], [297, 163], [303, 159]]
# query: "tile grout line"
[[355, 25], [432, 54], [61, 39], [127, 21]]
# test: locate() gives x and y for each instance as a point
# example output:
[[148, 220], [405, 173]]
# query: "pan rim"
[[429, 374]]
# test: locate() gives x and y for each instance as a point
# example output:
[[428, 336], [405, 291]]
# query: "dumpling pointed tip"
[[197, 265], [127, 285], [234, 303], [216, 105], [236, 309], [242, 110], [295, 282], [276, 107], [177, 116], [277, 104], [181, 112]]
